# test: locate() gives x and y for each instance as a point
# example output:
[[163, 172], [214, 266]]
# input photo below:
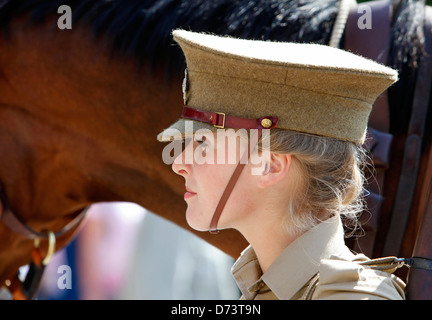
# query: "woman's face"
[[207, 164]]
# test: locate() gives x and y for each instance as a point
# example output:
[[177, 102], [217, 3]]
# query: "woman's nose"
[[183, 162], [179, 167]]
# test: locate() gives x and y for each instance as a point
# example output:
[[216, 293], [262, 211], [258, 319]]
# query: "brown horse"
[[77, 129], [79, 118]]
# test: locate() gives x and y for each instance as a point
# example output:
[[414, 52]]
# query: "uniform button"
[[266, 123]]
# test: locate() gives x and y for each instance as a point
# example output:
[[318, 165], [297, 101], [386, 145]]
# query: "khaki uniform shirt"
[[321, 251]]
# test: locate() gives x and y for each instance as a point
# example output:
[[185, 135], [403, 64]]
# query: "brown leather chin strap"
[[231, 184]]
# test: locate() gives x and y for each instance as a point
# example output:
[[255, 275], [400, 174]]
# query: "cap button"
[[266, 123]]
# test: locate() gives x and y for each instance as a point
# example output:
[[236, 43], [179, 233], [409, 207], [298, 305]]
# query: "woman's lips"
[[189, 193]]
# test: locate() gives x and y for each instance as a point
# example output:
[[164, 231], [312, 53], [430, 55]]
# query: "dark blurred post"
[[419, 285]]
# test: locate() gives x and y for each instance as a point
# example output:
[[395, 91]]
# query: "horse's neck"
[[75, 127]]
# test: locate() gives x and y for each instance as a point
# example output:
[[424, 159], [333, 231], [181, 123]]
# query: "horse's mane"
[[406, 48], [142, 28]]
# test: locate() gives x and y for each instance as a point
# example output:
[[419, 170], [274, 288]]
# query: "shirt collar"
[[296, 265], [246, 272]]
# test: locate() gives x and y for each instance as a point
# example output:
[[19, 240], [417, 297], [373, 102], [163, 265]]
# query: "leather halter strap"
[[11, 220], [221, 120]]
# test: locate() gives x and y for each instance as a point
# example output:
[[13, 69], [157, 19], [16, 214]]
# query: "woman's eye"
[[185, 143], [201, 142]]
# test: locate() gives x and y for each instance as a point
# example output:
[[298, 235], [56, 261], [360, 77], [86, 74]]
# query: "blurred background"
[[126, 252]]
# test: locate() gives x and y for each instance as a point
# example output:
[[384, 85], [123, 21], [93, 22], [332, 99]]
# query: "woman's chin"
[[195, 223]]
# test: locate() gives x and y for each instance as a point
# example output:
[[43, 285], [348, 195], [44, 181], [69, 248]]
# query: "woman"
[[308, 106]]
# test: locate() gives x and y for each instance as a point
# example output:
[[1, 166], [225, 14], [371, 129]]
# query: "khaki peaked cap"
[[311, 88]]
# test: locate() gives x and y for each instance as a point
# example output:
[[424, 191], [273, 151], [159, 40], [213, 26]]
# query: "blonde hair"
[[332, 178]]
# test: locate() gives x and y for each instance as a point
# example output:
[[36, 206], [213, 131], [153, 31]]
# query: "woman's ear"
[[275, 170]]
